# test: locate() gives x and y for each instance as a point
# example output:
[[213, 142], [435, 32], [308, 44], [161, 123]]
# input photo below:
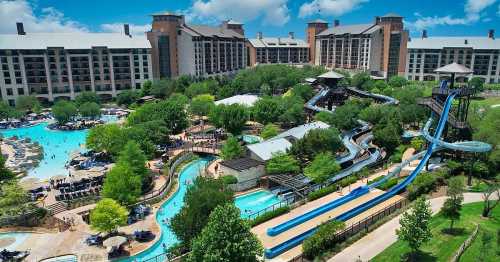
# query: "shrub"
[[423, 184], [388, 184], [321, 192], [229, 179], [323, 239], [269, 215]]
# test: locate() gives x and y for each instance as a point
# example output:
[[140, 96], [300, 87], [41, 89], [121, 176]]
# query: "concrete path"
[[381, 238]]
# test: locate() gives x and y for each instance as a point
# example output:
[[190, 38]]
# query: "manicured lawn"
[[486, 102], [442, 246]]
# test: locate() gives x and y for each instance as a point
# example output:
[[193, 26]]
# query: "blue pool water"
[[19, 237], [54, 142], [256, 201], [168, 209], [251, 139]]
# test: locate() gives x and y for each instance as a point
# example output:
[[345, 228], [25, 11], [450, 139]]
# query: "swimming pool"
[[168, 209], [255, 201], [17, 237], [251, 139], [59, 144]]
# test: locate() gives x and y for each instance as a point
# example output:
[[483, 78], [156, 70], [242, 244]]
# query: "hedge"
[[229, 179], [323, 239], [322, 192], [388, 184], [269, 215], [424, 183]]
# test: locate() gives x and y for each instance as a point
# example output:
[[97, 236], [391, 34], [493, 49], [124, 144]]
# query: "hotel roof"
[[278, 42], [210, 31], [266, 149], [350, 29], [71, 41], [454, 42]]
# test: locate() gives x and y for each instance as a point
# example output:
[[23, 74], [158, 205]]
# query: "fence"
[[166, 257], [361, 225], [285, 202], [465, 245]]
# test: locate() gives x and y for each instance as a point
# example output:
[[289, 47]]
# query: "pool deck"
[[268, 241]]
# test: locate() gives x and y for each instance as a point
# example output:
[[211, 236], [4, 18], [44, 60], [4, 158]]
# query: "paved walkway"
[[381, 238]]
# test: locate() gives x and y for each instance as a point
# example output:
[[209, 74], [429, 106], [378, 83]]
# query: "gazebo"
[[331, 78], [453, 69]]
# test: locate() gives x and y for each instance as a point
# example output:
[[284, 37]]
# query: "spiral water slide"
[[434, 144]]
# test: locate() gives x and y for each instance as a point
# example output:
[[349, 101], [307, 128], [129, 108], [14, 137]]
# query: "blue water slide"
[[282, 247]]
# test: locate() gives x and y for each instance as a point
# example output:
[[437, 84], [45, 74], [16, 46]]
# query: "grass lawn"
[[442, 246], [486, 102]]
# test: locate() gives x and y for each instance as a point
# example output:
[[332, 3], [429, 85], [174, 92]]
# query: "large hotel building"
[[196, 50], [61, 65], [277, 50], [481, 54], [378, 47]]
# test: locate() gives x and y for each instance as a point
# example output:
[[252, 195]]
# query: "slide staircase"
[[434, 145]]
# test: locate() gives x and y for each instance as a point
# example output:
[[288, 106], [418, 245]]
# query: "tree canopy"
[[107, 216], [28, 104], [87, 97], [64, 111], [269, 130], [230, 117], [122, 185], [322, 167], [415, 229], [202, 104], [226, 237], [170, 111], [109, 138], [314, 142], [200, 200], [231, 149], [282, 163], [90, 110]]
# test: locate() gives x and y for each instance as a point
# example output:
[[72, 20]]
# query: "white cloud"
[[50, 20], [272, 12], [329, 7], [473, 12], [118, 28]]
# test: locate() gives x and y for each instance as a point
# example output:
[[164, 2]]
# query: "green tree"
[[326, 117], [226, 237], [453, 205], [171, 111], [230, 117], [202, 104], [293, 111], [208, 86], [146, 88], [231, 149], [7, 111], [28, 104], [282, 163], [12, 197], [133, 156], [267, 110], [200, 200], [345, 116], [64, 111], [107, 216], [388, 136], [414, 223], [90, 110], [127, 97], [87, 97], [162, 88], [417, 143], [108, 138], [5, 173], [397, 81], [314, 142], [269, 130], [322, 167], [359, 79], [122, 185], [477, 83], [303, 91], [322, 240]]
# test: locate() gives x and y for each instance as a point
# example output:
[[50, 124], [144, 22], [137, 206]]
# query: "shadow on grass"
[[418, 256], [458, 231]]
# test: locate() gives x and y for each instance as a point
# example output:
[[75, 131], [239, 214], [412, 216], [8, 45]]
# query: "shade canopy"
[[453, 68], [331, 75], [114, 241]]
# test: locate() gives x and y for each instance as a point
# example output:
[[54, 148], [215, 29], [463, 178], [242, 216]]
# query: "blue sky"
[[272, 17]]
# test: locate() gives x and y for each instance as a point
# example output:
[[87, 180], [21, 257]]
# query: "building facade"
[[196, 50], [61, 65], [379, 47], [481, 54], [277, 50]]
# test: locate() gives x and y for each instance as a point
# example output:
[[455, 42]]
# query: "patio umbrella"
[[116, 241]]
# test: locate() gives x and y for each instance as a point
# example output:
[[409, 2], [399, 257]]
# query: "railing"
[[361, 225], [285, 202], [166, 257], [465, 245]]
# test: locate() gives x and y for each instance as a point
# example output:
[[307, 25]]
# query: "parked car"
[[94, 240], [143, 236]]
